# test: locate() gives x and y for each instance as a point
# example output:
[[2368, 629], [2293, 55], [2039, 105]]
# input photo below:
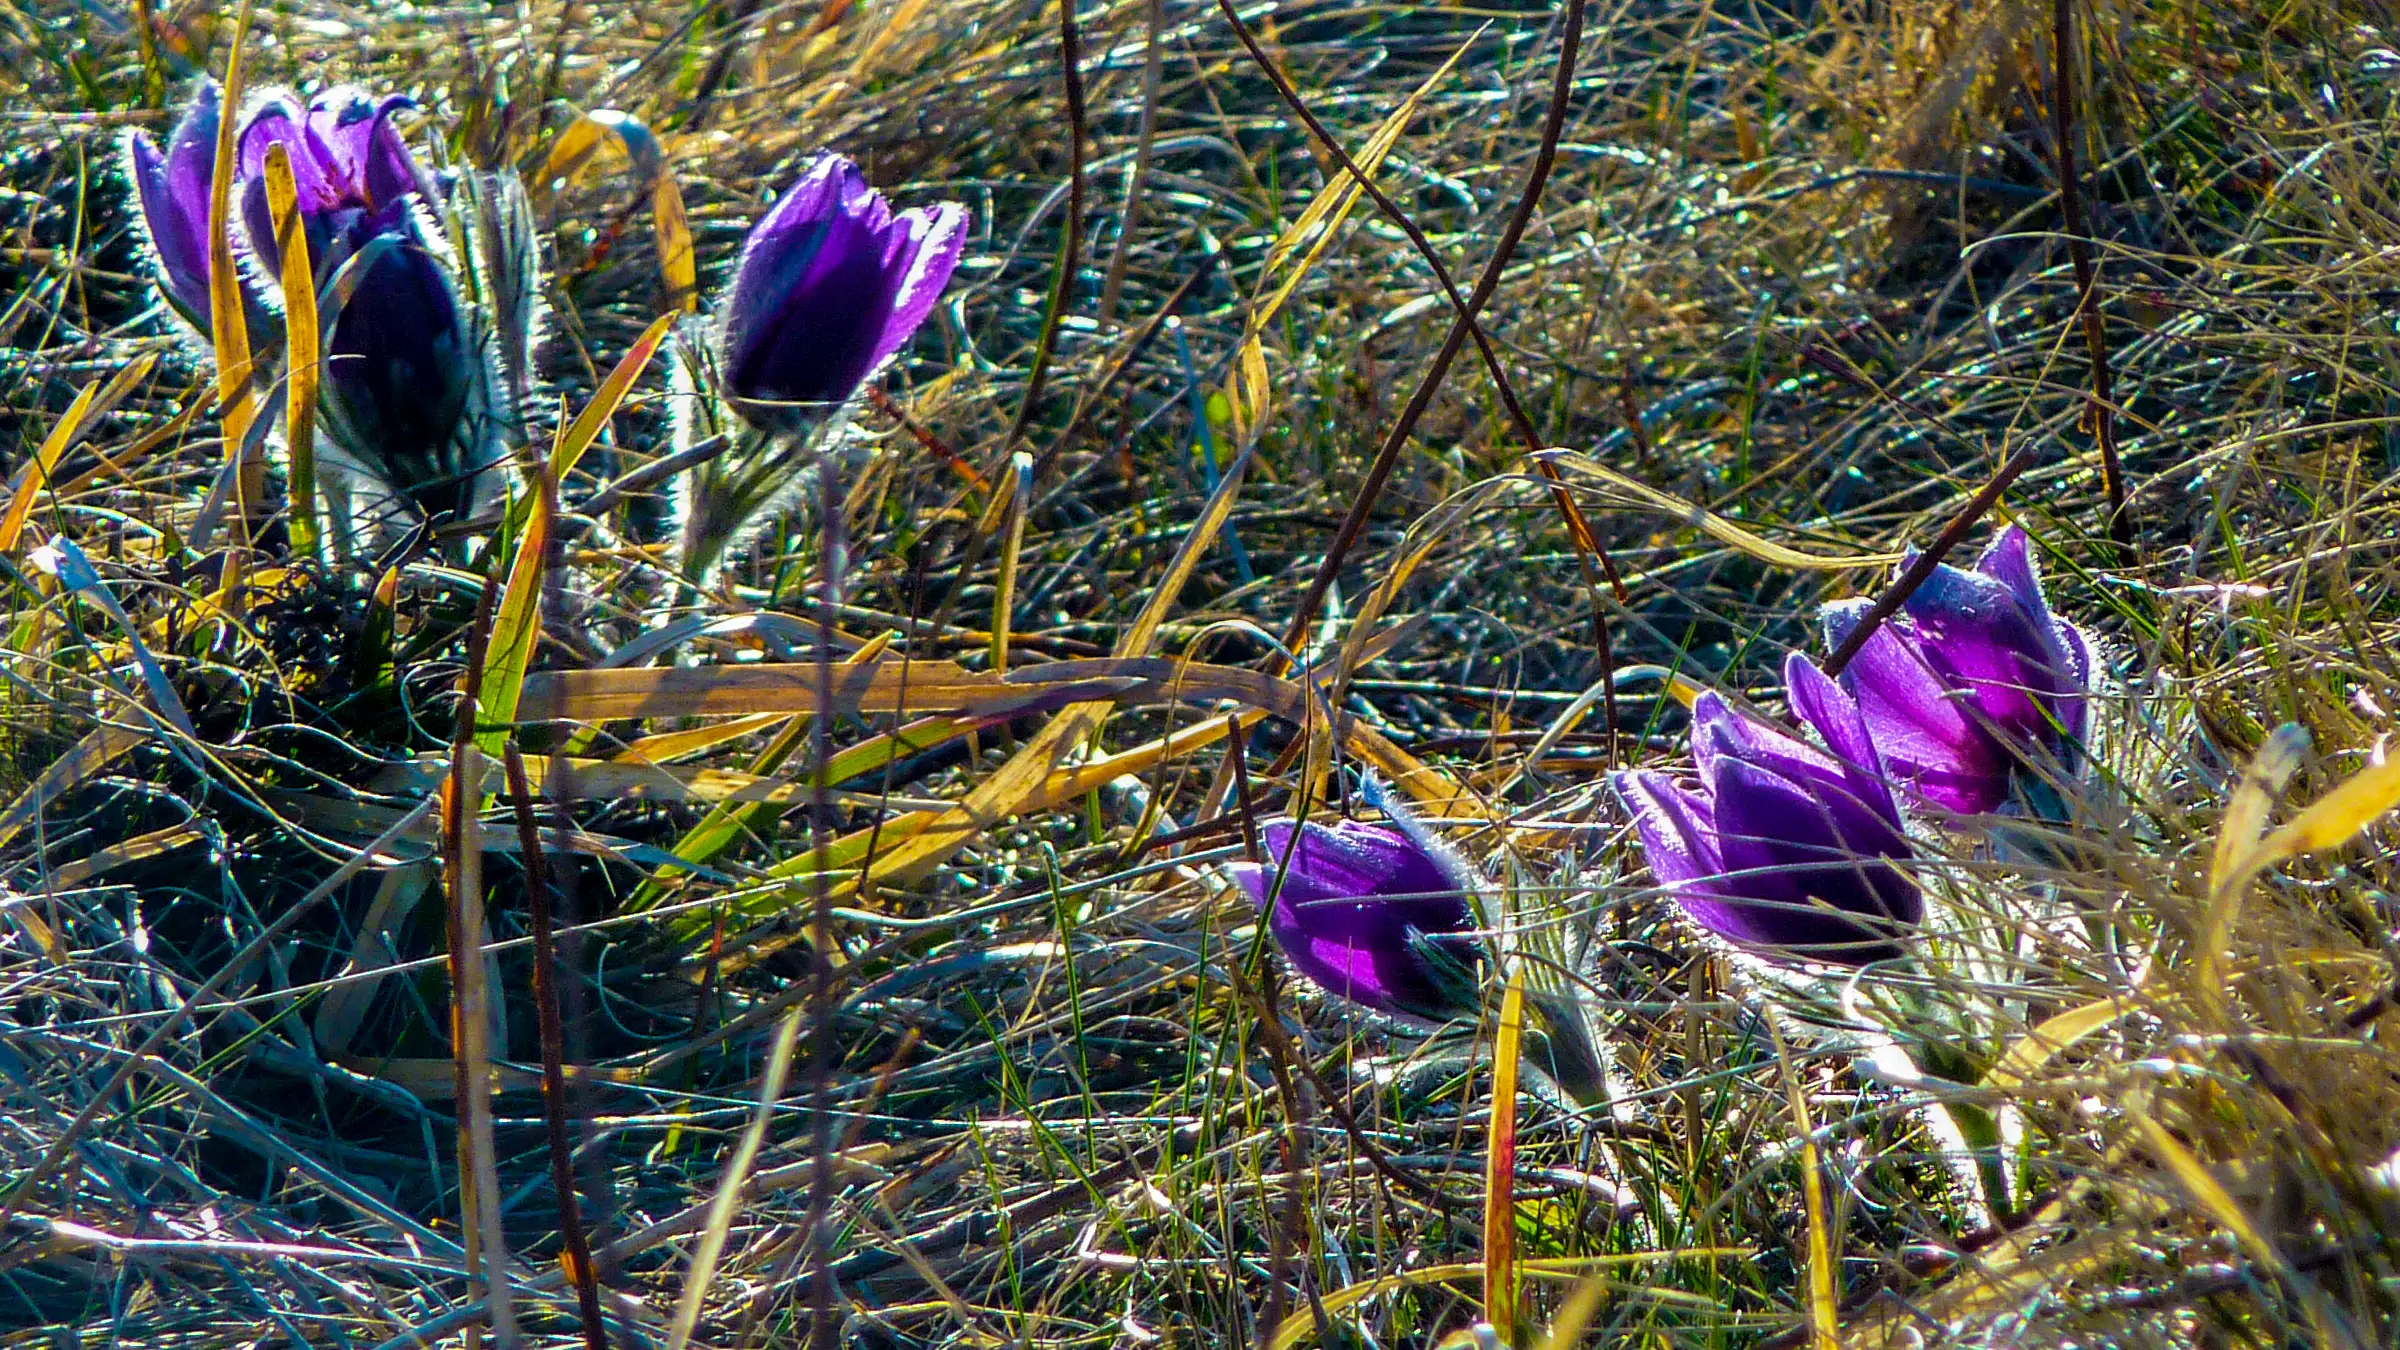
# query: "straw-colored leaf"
[[582, 144], [1012, 544], [300, 346], [674, 232], [229, 320], [1321, 220], [1500, 1166], [668, 746], [2057, 1033], [1824, 1322], [588, 424], [2194, 1177], [2329, 822], [94, 402]]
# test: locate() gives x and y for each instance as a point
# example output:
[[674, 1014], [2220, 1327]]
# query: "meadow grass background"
[[1801, 265]]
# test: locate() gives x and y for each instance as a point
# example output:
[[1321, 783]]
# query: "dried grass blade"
[[1638, 493], [2057, 1033], [344, 1008], [96, 751], [1019, 781], [2194, 1177], [2328, 822], [674, 232], [730, 1187], [1321, 221], [922, 688], [1060, 786], [1824, 1320], [668, 746], [1567, 1328], [1004, 595], [2245, 817], [726, 822], [479, 1191]]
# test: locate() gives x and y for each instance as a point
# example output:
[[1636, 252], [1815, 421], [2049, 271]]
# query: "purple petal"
[[1356, 906], [2078, 650], [1717, 730], [830, 284], [1676, 827], [1810, 865], [817, 342], [1835, 715], [782, 245], [1979, 638], [398, 365], [2009, 560], [353, 136], [935, 238], [276, 119], [1337, 966], [178, 241], [1926, 738], [1354, 860], [173, 189]]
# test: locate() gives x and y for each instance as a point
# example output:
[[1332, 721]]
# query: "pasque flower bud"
[[831, 282], [172, 188], [1370, 913]]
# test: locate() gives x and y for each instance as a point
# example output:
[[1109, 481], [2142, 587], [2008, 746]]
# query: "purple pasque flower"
[[1377, 914], [1973, 683], [172, 186], [1782, 848], [831, 282], [405, 375]]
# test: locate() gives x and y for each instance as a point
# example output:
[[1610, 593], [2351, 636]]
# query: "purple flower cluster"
[[405, 383], [1971, 699], [1974, 685]]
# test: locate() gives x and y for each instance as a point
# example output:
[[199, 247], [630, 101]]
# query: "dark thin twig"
[[1518, 417], [1387, 457], [1150, 329], [554, 1053], [1914, 576], [2100, 410], [1070, 248], [1588, 550], [1239, 744], [1285, 1235], [825, 1328]]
